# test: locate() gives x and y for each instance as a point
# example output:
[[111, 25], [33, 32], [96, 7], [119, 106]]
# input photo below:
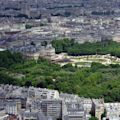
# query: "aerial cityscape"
[[59, 59]]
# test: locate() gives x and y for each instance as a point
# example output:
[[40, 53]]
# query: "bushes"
[[7, 59], [93, 118], [74, 49], [97, 81], [28, 26], [5, 79]]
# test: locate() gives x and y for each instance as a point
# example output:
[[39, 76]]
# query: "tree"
[[28, 83], [44, 43], [7, 59], [28, 26], [42, 84], [93, 118], [104, 114]]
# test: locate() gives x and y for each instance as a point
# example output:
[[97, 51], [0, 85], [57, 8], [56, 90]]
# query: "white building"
[[42, 93], [112, 111], [13, 107], [3, 115], [98, 106]]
